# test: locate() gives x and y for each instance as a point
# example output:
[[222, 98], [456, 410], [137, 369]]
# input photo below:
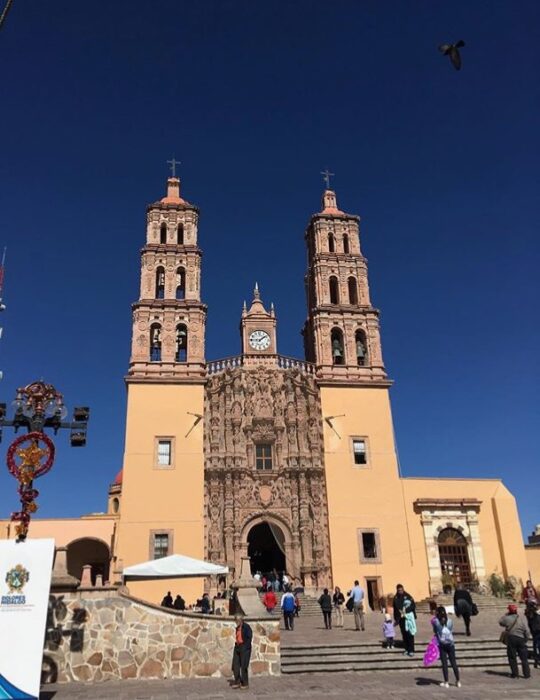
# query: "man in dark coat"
[[242, 653], [167, 601], [463, 606], [404, 605]]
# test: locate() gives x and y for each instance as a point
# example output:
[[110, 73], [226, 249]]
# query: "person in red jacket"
[[270, 600]]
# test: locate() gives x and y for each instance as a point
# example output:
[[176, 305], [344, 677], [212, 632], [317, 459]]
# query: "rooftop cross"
[[327, 175], [173, 163]]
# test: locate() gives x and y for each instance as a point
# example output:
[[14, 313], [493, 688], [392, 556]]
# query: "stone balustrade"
[[115, 637], [282, 361]]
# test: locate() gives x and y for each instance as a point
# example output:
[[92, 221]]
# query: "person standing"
[[179, 603], [463, 606], [167, 601], [325, 601], [270, 601], [287, 607], [357, 595], [443, 629], [339, 600], [516, 641], [529, 594], [405, 616], [241, 653], [533, 618]]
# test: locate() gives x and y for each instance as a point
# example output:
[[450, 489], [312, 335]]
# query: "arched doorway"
[[88, 550], [266, 548], [454, 556]]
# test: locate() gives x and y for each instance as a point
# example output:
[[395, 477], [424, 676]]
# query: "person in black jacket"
[[242, 653], [325, 601], [179, 603], [463, 606], [167, 601], [403, 605]]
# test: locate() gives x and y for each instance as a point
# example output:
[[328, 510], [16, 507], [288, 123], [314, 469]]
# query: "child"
[[388, 631]]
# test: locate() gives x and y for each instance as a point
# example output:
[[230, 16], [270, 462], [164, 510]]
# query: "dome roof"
[[118, 479]]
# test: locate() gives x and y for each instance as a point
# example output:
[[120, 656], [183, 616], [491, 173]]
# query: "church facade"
[[289, 461]]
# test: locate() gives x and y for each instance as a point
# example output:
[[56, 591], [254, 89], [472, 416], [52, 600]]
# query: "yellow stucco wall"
[[66, 530], [533, 564], [162, 499]]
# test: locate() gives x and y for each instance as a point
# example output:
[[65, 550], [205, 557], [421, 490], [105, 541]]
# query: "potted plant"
[[447, 583]]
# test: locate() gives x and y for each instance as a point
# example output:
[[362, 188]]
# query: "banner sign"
[[25, 581]]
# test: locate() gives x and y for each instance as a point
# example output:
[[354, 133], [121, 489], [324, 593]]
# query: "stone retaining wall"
[[117, 637]]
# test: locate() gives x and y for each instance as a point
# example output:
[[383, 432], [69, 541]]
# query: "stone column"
[[476, 554], [61, 579], [86, 578], [432, 552]]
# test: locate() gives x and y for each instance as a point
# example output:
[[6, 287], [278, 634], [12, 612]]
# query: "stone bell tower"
[[341, 334], [169, 318], [258, 330]]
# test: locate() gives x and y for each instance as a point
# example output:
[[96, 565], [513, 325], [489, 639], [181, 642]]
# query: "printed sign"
[[25, 581]]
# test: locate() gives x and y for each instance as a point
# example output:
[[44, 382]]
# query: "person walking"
[[357, 595], [389, 631], [529, 594], [287, 606], [270, 601], [405, 616], [241, 653], [516, 641], [532, 613], [463, 605], [325, 601], [338, 600], [443, 629]]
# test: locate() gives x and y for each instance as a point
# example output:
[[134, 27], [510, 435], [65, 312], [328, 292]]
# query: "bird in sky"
[[452, 50]]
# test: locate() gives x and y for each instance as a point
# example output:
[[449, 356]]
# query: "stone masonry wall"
[[117, 637]]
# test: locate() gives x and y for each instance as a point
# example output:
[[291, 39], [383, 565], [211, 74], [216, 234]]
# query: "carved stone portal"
[[281, 409]]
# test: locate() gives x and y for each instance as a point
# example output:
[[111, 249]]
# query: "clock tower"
[[258, 330]]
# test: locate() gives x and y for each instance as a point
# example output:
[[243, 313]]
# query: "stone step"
[[397, 664], [369, 650]]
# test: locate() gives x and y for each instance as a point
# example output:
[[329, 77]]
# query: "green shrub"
[[497, 585]]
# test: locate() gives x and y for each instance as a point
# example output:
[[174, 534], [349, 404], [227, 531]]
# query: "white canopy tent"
[[174, 566]]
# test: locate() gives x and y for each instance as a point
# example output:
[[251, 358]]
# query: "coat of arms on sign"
[[17, 578]]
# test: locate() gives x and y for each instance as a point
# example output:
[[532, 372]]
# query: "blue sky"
[[255, 98]]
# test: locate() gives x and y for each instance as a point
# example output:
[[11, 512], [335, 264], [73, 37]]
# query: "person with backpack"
[[464, 607], [288, 605], [443, 629], [325, 601], [515, 637]]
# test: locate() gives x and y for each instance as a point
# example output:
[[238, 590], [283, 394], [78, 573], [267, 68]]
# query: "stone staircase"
[[321, 658], [485, 603], [308, 604]]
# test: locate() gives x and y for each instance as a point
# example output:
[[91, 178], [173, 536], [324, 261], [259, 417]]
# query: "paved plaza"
[[391, 686]]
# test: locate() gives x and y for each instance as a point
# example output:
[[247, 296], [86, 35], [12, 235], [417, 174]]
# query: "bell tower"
[[341, 334], [169, 318]]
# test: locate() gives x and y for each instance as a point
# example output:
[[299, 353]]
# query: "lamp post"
[[37, 406]]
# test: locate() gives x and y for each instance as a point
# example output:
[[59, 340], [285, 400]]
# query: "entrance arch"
[[266, 548], [88, 550], [454, 556]]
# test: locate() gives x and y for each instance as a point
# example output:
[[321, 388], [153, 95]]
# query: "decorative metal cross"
[[326, 177], [173, 163]]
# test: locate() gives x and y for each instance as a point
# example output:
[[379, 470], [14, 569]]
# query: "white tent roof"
[[175, 566]]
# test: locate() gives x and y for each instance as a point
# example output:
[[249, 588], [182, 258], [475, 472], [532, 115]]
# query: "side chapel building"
[[290, 461]]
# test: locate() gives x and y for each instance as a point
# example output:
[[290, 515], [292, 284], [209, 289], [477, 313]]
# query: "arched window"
[[180, 234], [338, 351], [115, 505], [346, 243], [163, 233], [180, 283], [181, 343], [155, 342], [331, 243], [353, 291], [334, 290], [361, 348], [160, 283]]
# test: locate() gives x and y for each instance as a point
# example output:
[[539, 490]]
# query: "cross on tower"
[[326, 177], [173, 163]]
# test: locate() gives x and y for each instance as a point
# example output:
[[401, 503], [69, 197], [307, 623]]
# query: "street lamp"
[[37, 406]]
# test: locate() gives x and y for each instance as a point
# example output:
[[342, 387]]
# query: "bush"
[[513, 587], [497, 586]]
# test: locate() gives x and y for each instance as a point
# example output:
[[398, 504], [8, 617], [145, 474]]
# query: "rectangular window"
[[163, 452], [161, 545], [359, 451], [369, 546], [263, 457]]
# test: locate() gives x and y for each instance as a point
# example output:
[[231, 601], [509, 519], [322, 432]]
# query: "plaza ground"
[[416, 684]]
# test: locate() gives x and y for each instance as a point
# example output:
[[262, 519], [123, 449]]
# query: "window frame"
[[157, 440], [151, 543], [369, 531], [364, 439], [265, 470]]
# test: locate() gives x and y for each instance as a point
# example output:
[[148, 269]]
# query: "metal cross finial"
[[173, 163], [326, 177]]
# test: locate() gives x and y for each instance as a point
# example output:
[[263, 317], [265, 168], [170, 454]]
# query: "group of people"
[[274, 581], [203, 604]]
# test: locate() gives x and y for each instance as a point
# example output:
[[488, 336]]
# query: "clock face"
[[259, 340]]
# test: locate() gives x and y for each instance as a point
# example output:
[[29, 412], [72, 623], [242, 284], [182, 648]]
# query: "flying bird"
[[452, 50]]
